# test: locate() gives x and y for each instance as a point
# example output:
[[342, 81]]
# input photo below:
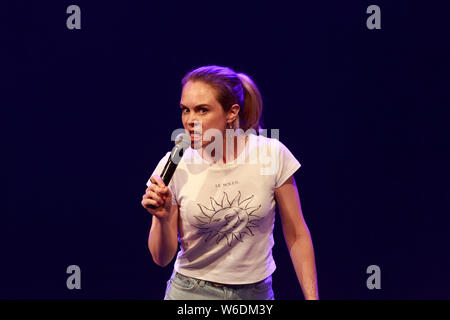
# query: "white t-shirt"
[[227, 211]]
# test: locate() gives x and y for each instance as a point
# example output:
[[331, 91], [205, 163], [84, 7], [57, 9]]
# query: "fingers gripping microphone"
[[182, 142]]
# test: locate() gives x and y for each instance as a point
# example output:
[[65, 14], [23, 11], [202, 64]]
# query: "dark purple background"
[[88, 114]]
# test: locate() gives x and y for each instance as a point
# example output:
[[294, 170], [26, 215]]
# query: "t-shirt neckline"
[[229, 164]]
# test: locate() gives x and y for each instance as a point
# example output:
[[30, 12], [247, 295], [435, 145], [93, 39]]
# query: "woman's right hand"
[[157, 199]]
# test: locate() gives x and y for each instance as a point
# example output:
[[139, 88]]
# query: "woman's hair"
[[232, 88]]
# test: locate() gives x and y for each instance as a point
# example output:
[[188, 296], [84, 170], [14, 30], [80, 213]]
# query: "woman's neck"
[[236, 146]]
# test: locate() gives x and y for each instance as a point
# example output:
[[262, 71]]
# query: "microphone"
[[182, 142]]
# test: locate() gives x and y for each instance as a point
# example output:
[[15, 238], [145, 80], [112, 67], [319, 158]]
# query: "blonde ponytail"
[[251, 115]]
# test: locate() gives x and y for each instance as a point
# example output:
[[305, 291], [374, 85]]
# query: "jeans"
[[181, 287]]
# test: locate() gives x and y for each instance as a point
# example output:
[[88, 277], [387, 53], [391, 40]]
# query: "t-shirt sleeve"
[[158, 170], [287, 164]]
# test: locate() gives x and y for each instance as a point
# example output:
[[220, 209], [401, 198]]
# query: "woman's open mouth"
[[195, 136]]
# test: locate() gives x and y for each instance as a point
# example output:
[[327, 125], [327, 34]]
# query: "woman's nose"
[[194, 123]]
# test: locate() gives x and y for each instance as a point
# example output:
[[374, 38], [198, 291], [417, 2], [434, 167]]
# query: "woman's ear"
[[233, 113]]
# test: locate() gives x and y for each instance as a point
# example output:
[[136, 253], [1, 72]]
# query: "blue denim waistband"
[[217, 284]]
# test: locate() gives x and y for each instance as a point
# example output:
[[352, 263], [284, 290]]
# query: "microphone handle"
[[169, 169]]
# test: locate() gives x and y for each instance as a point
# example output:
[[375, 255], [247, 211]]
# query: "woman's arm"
[[163, 238], [298, 238]]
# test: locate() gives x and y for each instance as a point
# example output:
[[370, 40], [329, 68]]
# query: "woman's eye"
[[202, 110]]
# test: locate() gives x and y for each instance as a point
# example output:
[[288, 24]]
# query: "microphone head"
[[183, 140]]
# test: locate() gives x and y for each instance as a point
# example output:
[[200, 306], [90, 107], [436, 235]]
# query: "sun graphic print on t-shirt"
[[228, 219]]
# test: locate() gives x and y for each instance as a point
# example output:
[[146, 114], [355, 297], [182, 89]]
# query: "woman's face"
[[201, 111]]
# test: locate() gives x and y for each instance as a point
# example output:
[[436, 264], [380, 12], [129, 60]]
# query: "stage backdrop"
[[89, 106]]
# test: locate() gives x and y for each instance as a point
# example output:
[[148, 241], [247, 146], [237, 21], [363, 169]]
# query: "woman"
[[220, 203]]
